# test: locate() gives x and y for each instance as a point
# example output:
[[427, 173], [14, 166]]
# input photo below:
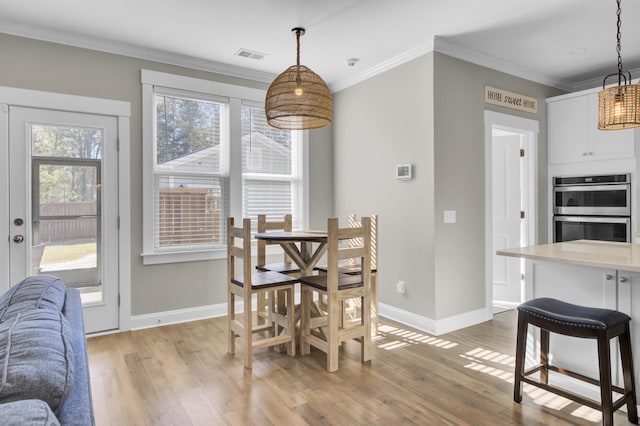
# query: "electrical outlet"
[[449, 216], [400, 287]]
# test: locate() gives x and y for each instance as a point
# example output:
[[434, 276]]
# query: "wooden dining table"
[[299, 245]]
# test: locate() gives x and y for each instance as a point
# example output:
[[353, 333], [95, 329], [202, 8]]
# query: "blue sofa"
[[44, 377]]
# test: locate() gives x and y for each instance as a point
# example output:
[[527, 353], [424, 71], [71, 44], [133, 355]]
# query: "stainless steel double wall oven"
[[592, 208]]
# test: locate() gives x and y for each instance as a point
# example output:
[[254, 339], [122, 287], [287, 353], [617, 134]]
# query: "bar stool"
[[554, 316]]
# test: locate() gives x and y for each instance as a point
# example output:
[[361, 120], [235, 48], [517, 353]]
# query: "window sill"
[[183, 256]]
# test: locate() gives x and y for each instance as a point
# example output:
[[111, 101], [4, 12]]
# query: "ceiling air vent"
[[246, 53]]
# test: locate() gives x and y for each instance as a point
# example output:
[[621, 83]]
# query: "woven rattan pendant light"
[[619, 106], [298, 98]]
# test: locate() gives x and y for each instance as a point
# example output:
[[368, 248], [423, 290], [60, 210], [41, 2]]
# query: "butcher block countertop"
[[597, 254]]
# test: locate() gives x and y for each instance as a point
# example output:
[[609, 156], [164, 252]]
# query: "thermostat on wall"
[[403, 172]]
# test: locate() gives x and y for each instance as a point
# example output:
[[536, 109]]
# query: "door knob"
[[18, 238]]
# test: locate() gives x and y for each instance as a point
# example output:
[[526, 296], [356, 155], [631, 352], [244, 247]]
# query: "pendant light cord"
[[299, 31], [298, 41], [618, 46]]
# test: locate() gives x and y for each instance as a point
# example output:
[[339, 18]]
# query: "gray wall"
[[428, 112], [378, 124], [38, 65], [460, 174]]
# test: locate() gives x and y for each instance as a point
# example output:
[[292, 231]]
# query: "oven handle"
[[591, 188], [593, 219]]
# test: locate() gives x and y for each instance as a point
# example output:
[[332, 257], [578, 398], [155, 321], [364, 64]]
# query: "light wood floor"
[[182, 375]]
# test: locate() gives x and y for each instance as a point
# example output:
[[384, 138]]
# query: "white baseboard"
[[180, 315], [435, 327], [191, 314], [506, 304], [411, 319]]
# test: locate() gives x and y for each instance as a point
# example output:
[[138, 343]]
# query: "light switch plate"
[[449, 216]]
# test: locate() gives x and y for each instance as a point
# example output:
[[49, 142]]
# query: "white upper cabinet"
[[569, 130], [574, 134]]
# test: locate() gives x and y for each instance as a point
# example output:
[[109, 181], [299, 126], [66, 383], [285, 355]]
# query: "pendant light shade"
[[619, 106], [298, 99]]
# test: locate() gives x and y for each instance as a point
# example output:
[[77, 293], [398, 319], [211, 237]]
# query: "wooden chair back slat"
[[286, 224]]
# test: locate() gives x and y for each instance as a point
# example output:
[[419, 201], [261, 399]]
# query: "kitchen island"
[[589, 273], [599, 254]]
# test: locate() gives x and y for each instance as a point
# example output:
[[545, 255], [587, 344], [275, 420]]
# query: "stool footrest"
[[574, 396], [570, 373], [568, 394]]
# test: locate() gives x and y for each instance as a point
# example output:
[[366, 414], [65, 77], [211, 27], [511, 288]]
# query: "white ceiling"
[[566, 43]]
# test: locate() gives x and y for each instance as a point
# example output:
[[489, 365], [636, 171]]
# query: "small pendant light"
[[619, 106], [298, 99]]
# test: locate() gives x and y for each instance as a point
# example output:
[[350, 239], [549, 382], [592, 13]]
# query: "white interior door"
[[508, 210], [63, 205]]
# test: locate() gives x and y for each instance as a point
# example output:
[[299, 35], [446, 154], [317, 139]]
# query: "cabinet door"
[[608, 144], [569, 130], [629, 303]]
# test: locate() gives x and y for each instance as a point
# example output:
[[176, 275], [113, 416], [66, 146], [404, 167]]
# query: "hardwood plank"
[[181, 374]]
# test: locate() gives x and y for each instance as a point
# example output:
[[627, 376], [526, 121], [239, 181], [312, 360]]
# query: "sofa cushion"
[[35, 292], [36, 357], [28, 412]]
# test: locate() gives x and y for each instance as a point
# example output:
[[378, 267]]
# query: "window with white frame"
[[271, 162], [208, 154]]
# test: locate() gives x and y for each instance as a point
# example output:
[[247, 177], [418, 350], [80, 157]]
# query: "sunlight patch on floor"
[[493, 356], [481, 360], [406, 338]]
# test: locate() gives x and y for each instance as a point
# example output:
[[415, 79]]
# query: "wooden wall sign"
[[510, 100]]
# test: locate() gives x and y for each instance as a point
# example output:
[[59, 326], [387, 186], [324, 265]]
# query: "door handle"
[[18, 238]]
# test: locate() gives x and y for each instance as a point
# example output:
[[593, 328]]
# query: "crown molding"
[[469, 55], [125, 49], [398, 60], [439, 44]]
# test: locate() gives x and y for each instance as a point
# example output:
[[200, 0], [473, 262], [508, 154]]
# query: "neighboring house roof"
[[211, 156]]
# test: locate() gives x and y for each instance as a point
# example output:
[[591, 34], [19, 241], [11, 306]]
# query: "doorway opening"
[[511, 204]]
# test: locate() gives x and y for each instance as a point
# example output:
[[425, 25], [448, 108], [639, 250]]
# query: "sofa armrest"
[[78, 408]]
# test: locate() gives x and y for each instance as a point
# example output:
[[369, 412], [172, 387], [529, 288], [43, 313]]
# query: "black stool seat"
[[574, 315], [555, 316]]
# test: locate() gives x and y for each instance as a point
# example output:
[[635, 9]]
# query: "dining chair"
[[286, 266], [244, 285], [351, 307], [328, 331]]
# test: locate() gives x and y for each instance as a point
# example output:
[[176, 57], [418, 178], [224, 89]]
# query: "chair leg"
[[231, 316], [628, 374], [248, 334], [521, 350], [366, 338], [374, 304], [281, 307], [333, 340], [291, 317], [544, 356], [271, 306], [604, 358], [305, 320], [262, 306]]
